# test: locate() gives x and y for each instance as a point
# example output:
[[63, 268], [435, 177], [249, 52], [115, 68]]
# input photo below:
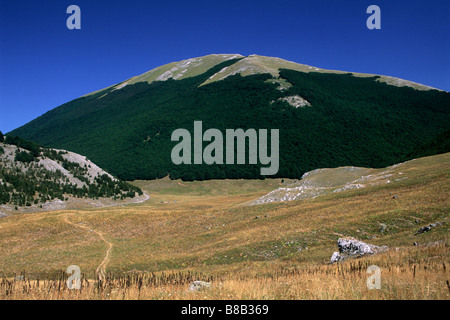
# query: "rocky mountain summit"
[[245, 66]]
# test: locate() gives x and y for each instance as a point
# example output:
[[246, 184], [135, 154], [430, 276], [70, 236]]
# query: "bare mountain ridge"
[[246, 66]]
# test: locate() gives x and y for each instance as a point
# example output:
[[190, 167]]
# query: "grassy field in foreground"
[[206, 231], [413, 273]]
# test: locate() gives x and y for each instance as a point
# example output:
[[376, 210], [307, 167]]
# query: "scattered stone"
[[437, 224], [395, 197], [353, 248], [20, 278], [423, 230], [382, 228], [429, 227], [257, 217], [199, 285], [336, 257], [266, 216], [415, 244]]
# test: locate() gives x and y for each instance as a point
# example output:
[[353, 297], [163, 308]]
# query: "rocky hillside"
[[331, 180], [37, 178]]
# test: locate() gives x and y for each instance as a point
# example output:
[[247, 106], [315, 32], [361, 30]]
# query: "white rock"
[[199, 285], [353, 248], [335, 257]]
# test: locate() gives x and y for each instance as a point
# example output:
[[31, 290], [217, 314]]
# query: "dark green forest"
[[351, 121]]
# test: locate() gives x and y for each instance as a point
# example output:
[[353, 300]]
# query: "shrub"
[[24, 157]]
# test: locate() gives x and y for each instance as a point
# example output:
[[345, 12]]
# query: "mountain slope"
[[326, 118], [332, 180], [35, 178]]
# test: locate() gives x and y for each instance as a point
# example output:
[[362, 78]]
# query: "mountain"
[[34, 178], [325, 118]]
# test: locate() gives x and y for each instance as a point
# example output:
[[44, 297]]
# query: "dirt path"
[[102, 267]]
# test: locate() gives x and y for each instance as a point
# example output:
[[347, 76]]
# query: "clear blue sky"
[[43, 64]]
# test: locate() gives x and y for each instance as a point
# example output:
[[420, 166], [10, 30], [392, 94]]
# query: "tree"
[[1, 137], [24, 157]]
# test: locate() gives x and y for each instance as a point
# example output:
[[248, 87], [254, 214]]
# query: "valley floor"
[[207, 231]]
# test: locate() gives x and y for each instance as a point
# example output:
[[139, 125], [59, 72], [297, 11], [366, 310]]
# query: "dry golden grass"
[[206, 230], [401, 278]]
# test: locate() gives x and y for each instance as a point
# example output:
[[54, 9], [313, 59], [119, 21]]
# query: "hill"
[[332, 180], [325, 118], [34, 178]]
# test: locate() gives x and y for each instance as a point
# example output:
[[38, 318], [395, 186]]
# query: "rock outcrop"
[[199, 285], [352, 248], [429, 227]]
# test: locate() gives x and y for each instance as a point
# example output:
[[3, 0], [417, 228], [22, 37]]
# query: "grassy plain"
[[207, 231]]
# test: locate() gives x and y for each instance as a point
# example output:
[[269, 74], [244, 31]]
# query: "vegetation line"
[[146, 197]]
